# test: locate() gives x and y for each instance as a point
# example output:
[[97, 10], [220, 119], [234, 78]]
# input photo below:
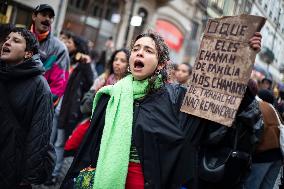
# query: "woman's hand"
[[83, 58], [255, 41]]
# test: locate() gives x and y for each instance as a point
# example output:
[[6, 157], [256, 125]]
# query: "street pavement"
[[65, 167]]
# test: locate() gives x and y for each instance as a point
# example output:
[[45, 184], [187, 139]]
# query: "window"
[[204, 2], [97, 11], [85, 4], [194, 30], [144, 14], [248, 7], [78, 4], [268, 31], [72, 2], [219, 4], [111, 8], [275, 20], [22, 16]]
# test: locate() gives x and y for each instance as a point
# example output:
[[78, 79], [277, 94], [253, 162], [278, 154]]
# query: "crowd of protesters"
[[119, 116]]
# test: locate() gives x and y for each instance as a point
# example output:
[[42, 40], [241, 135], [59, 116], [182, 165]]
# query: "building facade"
[[19, 12], [271, 57], [96, 20], [179, 22]]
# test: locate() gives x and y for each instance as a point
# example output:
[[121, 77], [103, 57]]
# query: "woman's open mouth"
[[138, 64]]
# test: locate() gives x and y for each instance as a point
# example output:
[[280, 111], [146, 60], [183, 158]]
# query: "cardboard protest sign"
[[222, 68]]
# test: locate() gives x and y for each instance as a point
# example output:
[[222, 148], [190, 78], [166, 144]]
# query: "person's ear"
[[33, 17], [52, 20], [28, 54]]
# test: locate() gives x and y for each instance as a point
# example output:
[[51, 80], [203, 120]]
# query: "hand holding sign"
[[222, 67], [255, 41]]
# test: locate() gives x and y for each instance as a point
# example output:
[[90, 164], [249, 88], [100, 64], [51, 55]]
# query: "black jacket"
[[166, 139], [160, 133], [79, 83], [25, 119]]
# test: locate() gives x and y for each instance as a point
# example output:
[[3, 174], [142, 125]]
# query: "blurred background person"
[[266, 83], [280, 100], [267, 160], [171, 71], [117, 69], [80, 80], [183, 73], [64, 36], [53, 53]]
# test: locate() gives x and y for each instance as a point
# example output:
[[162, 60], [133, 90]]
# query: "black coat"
[[160, 133], [26, 113], [79, 83], [166, 139]]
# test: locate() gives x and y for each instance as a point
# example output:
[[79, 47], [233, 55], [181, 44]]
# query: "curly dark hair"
[[31, 42], [163, 58]]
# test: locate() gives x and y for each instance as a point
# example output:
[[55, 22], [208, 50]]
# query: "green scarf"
[[112, 164]]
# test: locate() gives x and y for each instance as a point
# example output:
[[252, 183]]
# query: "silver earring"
[[158, 71]]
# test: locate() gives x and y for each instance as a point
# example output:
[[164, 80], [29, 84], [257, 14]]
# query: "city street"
[[65, 167], [147, 93]]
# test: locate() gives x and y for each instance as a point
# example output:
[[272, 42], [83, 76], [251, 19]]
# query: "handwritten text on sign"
[[222, 68]]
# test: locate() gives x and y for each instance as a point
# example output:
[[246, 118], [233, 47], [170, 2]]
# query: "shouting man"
[[26, 112]]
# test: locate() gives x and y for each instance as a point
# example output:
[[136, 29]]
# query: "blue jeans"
[[57, 139], [263, 175]]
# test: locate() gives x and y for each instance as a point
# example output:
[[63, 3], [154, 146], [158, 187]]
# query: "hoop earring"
[[157, 72], [128, 69]]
